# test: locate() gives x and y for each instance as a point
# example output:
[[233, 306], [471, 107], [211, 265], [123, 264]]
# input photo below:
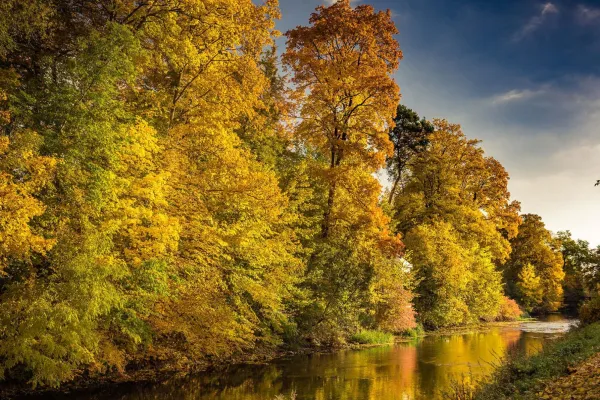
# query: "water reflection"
[[416, 370]]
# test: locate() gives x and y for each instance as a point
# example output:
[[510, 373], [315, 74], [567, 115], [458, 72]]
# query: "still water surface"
[[412, 370]]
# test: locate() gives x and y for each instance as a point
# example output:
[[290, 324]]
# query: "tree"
[[157, 222], [529, 288], [456, 213], [577, 257], [454, 181], [341, 67], [535, 245], [455, 284], [409, 137]]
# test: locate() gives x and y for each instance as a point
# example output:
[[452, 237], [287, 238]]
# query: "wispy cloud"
[[331, 2], [516, 95], [536, 21], [587, 14]]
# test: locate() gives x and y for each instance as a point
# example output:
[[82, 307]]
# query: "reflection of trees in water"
[[448, 358], [414, 370]]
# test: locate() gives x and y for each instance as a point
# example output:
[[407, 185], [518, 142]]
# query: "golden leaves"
[[581, 384], [22, 174]]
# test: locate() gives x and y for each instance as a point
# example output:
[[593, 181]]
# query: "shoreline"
[[84, 383], [568, 365]]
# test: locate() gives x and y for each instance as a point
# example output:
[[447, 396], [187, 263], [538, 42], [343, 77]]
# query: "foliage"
[[455, 212], [582, 383], [394, 311], [372, 337], [341, 66], [409, 137], [169, 196], [529, 288], [590, 310], [509, 310], [577, 257], [157, 234], [448, 277], [535, 245]]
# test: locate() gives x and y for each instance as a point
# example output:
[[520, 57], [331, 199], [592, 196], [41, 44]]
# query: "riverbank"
[[566, 369], [144, 374]]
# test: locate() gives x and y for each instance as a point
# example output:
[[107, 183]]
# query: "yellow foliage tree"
[[530, 288], [535, 245]]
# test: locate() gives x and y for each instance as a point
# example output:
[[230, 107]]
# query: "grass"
[[372, 337], [292, 396], [523, 377]]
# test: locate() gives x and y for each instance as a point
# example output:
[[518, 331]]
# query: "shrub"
[[413, 333], [590, 311], [372, 337], [509, 310], [397, 314]]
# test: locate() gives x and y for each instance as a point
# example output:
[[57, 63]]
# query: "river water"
[[410, 370]]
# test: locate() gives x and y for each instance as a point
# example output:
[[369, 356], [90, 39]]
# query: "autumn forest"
[[176, 191]]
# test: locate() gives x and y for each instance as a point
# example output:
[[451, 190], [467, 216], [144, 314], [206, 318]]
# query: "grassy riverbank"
[[568, 365]]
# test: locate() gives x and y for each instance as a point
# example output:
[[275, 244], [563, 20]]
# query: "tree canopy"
[[174, 193]]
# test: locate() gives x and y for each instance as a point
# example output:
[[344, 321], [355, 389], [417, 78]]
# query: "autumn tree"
[[453, 180], [577, 257], [535, 245], [341, 68], [455, 209], [530, 291], [158, 221], [592, 272]]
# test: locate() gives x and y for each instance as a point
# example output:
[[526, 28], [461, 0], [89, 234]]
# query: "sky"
[[521, 75]]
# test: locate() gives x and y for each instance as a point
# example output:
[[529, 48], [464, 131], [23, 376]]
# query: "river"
[[407, 370]]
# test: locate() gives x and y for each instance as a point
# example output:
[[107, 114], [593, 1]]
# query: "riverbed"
[[417, 369]]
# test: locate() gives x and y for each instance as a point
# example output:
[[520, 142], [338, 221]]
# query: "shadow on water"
[[414, 370]]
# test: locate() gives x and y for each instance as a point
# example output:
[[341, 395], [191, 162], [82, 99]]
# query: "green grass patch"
[[372, 337], [523, 377]]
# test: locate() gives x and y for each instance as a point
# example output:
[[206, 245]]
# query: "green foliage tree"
[[577, 257], [409, 137]]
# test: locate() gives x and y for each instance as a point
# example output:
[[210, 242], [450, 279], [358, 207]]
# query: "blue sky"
[[521, 75]]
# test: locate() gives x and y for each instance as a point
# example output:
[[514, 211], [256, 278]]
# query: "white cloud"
[[587, 14], [549, 8], [553, 158], [536, 21], [332, 2], [516, 95]]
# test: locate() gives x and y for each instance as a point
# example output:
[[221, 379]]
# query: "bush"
[[372, 337], [414, 333], [509, 310], [396, 314], [590, 311]]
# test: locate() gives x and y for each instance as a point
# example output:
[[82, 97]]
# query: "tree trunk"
[[393, 191], [327, 214]]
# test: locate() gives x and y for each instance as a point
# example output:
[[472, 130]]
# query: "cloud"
[[535, 22], [516, 95], [332, 2], [587, 14]]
